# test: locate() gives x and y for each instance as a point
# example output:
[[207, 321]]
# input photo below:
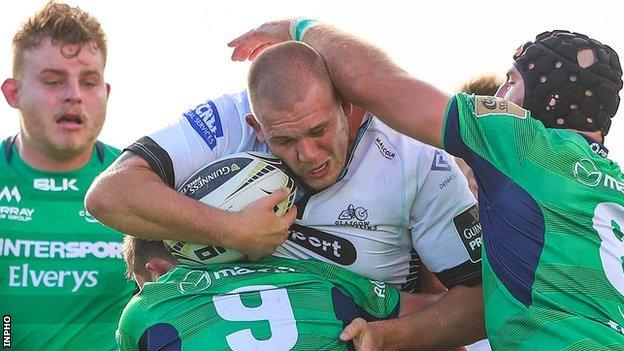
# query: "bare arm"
[[131, 198], [454, 319], [364, 75]]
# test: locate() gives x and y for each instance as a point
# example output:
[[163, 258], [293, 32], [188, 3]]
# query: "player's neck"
[[597, 136], [355, 121], [49, 161]]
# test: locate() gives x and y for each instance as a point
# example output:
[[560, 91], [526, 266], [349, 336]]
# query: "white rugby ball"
[[231, 183]]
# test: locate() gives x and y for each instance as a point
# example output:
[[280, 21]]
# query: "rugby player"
[[61, 272], [551, 202], [271, 304], [376, 202]]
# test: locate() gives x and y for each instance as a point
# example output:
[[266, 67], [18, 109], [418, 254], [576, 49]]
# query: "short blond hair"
[[283, 74], [484, 84], [137, 252], [60, 23]]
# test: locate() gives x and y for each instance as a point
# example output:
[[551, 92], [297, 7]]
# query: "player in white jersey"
[[391, 200]]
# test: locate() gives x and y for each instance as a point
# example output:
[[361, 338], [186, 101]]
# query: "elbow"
[[97, 201]]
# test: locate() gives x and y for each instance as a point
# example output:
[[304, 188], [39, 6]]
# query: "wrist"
[[299, 26]]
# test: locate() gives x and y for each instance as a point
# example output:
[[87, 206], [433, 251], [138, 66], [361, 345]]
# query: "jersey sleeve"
[[200, 135], [444, 222]]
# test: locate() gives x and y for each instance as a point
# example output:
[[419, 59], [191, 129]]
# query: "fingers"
[[237, 41], [245, 45], [279, 195], [352, 330], [258, 50]]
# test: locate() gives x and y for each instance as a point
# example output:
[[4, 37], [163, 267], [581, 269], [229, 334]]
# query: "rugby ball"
[[231, 183]]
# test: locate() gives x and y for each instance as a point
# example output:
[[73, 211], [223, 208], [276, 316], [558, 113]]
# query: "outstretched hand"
[[250, 44]]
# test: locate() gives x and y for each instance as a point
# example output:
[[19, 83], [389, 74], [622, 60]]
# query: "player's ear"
[[10, 89], [347, 108], [253, 123], [158, 266]]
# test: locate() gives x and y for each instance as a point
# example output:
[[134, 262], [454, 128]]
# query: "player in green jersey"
[[271, 304], [61, 272], [551, 203]]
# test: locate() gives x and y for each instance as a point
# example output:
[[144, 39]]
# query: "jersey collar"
[[7, 148], [365, 123]]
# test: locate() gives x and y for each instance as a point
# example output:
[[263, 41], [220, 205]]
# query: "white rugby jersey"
[[398, 200]]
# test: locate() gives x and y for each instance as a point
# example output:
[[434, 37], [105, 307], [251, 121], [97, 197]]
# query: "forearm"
[[367, 77], [134, 200], [455, 319]]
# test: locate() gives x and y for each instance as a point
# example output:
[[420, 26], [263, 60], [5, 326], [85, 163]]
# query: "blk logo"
[[51, 184]]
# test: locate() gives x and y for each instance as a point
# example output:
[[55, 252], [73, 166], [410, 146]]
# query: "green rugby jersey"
[[273, 304], [552, 209], [61, 271]]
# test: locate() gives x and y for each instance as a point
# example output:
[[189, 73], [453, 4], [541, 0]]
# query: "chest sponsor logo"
[[440, 163], [469, 228], [586, 172], [487, 105], [333, 248], [355, 217], [24, 276], [52, 184], [385, 151], [206, 121], [12, 196], [194, 281], [198, 280]]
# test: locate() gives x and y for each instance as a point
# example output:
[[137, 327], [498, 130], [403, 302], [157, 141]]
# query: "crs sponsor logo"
[[354, 217], [469, 228], [331, 247], [12, 195], [87, 216], [385, 151], [206, 121], [586, 172], [439, 162], [51, 184]]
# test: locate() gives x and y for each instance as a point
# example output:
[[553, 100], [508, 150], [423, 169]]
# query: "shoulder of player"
[[134, 316], [225, 106]]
